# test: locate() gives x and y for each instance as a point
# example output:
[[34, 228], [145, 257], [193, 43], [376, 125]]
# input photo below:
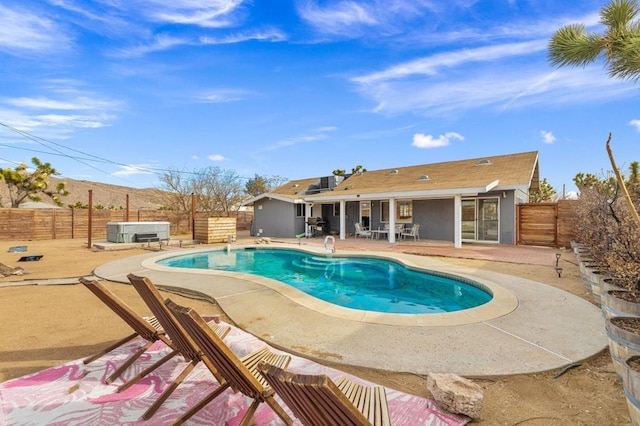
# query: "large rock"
[[456, 394]]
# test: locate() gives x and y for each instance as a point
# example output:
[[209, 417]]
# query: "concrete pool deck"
[[537, 328]]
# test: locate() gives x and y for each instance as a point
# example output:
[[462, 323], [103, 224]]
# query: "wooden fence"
[[51, 224], [545, 224]]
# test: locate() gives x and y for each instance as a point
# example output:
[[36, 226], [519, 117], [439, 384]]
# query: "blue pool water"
[[354, 282]]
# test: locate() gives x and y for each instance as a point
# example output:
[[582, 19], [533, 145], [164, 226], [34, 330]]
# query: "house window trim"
[[301, 208], [399, 219]]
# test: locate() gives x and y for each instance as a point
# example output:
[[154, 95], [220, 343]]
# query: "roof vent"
[[423, 178], [484, 162], [393, 172], [295, 185]]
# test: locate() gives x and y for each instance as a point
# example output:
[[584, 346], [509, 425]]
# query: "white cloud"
[[62, 109], [268, 34], [467, 88], [420, 140], [326, 129], [432, 65], [547, 137], [636, 124], [342, 17], [215, 157], [132, 169], [203, 13], [22, 31], [219, 96]]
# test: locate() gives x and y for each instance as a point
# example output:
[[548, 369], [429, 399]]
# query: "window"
[[336, 209], [404, 211], [300, 210]]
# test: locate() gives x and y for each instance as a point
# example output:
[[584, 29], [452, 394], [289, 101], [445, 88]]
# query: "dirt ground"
[[47, 325]]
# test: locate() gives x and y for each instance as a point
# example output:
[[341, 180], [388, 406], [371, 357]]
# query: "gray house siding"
[[435, 218], [274, 218]]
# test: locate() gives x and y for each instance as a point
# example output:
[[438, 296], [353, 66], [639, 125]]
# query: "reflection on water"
[[359, 283]]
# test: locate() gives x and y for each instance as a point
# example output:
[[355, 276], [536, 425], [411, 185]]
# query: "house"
[[468, 200]]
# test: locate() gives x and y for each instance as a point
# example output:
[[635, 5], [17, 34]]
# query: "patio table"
[[375, 233]]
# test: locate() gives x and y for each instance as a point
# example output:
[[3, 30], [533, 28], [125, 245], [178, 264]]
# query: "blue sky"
[[118, 91]]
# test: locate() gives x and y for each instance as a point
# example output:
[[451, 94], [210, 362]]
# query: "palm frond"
[[572, 46], [619, 13], [624, 62]]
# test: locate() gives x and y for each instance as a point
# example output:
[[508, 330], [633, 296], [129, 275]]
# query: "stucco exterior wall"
[[273, 218], [435, 218]]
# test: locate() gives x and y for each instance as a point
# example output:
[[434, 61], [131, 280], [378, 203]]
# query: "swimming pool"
[[362, 283]]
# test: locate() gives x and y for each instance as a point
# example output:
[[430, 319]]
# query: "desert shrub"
[[607, 229]]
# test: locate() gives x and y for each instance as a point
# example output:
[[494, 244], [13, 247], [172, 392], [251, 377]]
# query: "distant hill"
[[103, 194]]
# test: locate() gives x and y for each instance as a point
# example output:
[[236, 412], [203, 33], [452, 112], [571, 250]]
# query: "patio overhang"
[[399, 195]]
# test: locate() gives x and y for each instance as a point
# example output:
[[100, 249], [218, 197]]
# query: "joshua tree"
[[619, 46], [29, 185], [545, 193]]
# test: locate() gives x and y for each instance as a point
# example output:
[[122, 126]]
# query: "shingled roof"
[[473, 176], [465, 176]]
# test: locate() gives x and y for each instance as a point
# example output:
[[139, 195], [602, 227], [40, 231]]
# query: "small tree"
[[26, 185], [261, 184], [256, 186], [215, 190], [545, 193]]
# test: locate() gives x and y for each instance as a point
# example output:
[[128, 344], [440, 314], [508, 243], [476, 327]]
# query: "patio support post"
[[392, 220], [343, 220], [457, 221], [307, 215]]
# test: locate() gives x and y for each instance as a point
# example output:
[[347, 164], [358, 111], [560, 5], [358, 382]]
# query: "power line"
[[84, 160]]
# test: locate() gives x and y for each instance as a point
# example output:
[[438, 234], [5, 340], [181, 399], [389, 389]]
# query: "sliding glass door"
[[488, 219], [468, 219], [480, 219]]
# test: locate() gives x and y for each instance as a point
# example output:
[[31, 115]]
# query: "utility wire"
[[83, 160]]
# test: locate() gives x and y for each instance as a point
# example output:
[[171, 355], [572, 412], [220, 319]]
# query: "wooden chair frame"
[[180, 340], [317, 400], [241, 374], [147, 328]]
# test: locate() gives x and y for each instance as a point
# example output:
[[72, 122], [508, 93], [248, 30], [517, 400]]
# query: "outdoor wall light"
[[557, 258], [558, 270]]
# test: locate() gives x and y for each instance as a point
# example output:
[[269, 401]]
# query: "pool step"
[[315, 263]]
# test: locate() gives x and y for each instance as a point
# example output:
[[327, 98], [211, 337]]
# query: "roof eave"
[[433, 193]]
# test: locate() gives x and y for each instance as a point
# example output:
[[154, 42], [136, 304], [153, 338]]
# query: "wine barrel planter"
[[590, 276], [594, 277], [631, 384], [621, 303], [624, 340], [612, 283]]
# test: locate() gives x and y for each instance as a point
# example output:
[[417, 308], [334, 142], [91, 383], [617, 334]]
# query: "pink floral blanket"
[[75, 394]]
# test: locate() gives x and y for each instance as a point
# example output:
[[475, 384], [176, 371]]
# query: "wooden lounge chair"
[[180, 340], [317, 400], [146, 327], [241, 374]]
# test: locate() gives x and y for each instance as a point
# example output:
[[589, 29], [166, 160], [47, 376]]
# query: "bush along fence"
[[51, 224], [607, 232]]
